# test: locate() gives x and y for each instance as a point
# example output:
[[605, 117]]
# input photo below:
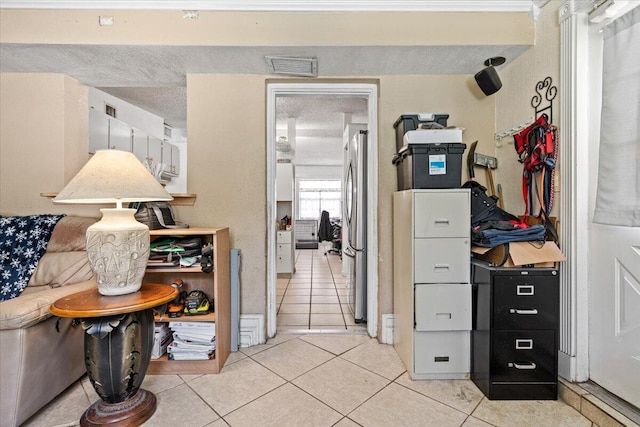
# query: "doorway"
[[331, 91]]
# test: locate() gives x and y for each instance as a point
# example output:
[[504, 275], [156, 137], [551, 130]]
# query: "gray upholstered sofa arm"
[[27, 310]]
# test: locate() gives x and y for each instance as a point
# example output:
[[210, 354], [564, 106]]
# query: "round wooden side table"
[[117, 350]]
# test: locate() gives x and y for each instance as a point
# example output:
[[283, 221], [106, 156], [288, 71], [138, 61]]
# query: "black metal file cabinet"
[[514, 337]]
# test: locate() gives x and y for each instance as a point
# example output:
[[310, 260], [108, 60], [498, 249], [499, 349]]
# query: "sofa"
[[40, 354]]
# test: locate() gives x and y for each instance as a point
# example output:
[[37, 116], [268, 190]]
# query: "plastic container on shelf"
[[412, 121], [434, 165]]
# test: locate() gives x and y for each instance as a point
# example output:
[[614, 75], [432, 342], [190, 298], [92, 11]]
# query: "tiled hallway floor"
[[317, 380], [315, 297]]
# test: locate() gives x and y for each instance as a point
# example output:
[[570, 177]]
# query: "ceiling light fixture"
[[488, 78], [293, 66]]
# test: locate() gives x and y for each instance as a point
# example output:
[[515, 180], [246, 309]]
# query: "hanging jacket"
[[325, 232]]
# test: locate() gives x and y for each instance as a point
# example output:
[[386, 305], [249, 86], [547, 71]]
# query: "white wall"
[[318, 172]]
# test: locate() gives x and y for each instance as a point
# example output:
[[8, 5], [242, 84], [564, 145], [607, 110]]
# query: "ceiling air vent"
[[293, 66]]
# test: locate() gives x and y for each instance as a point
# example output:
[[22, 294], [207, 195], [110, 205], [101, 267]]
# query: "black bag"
[[484, 207], [157, 215]]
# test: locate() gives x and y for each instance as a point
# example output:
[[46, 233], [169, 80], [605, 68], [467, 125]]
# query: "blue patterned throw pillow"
[[23, 241]]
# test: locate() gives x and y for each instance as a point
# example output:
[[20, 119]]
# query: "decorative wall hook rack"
[[544, 91]]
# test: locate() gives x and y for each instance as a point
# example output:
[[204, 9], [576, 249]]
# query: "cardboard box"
[[521, 254]]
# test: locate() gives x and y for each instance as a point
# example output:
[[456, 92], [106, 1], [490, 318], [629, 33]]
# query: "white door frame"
[[370, 92]]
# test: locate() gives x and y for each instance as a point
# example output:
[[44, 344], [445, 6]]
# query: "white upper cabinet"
[[140, 143], [105, 132], [284, 182], [171, 159], [155, 149], [119, 135]]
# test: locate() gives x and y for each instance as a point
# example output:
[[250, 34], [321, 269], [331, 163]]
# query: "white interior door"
[[614, 310], [614, 274]]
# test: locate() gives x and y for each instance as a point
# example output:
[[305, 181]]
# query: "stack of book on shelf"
[[192, 340]]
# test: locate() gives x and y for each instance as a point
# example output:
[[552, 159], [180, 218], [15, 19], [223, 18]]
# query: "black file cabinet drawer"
[[525, 302], [523, 356], [514, 340]]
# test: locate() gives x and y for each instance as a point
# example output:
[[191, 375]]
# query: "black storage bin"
[[429, 166], [407, 122]]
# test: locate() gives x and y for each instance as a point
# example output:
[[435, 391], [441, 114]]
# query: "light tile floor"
[[317, 380], [301, 378], [316, 295]]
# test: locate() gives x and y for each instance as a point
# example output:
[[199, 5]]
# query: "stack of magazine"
[[192, 340]]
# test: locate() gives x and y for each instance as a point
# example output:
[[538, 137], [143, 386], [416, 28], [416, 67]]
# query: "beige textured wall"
[[513, 102], [43, 130], [43, 140], [227, 159], [227, 170], [265, 28], [227, 153]]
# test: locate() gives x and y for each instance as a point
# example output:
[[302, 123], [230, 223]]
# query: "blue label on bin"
[[438, 164]]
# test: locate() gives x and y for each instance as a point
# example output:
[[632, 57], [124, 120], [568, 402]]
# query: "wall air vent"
[[293, 66]]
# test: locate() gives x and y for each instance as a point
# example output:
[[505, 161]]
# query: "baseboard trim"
[[251, 330]]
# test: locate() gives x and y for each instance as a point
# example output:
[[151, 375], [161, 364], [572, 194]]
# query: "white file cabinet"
[[432, 292], [284, 252]]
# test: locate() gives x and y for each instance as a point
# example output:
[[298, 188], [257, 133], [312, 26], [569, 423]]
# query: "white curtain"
[[618, 194]]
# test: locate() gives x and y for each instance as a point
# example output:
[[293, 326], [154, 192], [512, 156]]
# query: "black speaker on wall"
[[488, 79]]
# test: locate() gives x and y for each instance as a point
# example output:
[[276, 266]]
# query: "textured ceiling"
[[319, 125], [154, 77]]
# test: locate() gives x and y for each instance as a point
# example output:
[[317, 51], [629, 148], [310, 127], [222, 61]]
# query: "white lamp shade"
[[112, 176]]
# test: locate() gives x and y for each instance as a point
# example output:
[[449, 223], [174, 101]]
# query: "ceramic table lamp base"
[[118, 250]]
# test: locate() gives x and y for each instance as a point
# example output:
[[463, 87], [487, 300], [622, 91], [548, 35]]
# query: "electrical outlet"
[[486, 161]]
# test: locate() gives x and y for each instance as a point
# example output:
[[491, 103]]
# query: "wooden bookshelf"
[[214, 284]]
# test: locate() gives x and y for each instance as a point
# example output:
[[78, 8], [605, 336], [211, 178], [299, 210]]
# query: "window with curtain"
[[315, 196], [618, 193]]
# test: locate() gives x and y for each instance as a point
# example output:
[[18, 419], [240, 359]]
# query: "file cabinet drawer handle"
[[525, 290], [523, 366], [443, 316], [524, 344], [441, 267], [441, 221], [441, 359], [532, 311]]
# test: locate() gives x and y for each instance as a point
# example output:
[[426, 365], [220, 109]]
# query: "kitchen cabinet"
[[119, 135], [174, 166], [215, 285], [171, 159], [140, 144], [432, 293], [284, 182], [285, 247], [105, 132], [284, 252], [514, 340], [154, 150]]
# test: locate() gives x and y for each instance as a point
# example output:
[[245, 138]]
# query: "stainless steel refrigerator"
[[355, 244]]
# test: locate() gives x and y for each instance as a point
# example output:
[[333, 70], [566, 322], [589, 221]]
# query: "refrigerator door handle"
[[348, 251]]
